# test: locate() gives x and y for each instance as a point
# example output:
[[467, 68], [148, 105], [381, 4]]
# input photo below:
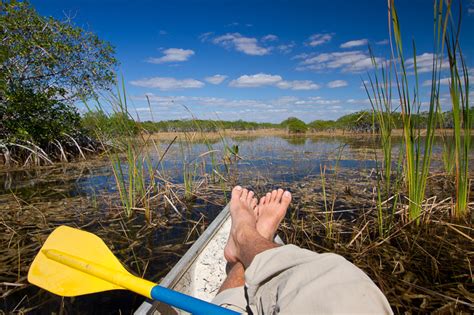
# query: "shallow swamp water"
[[84, 195]]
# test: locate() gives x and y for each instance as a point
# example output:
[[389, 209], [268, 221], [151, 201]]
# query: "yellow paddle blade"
[[63, 280]]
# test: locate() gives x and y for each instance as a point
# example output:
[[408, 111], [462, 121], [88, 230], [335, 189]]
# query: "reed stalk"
[[447, 153], [329, 209], [380, 97], [189, 168], [459, 92], [129, 153], [418, 149]]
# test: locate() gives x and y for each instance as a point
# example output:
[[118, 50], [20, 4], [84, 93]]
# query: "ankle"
[[234, 267], [244, 234]]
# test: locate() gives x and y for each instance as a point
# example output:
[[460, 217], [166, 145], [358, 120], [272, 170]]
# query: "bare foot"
[[242, 205], [271, 210]]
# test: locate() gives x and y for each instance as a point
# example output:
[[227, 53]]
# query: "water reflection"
[[271, 157]]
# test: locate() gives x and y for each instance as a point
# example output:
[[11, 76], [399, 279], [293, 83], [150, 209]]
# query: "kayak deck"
[[201, 271]]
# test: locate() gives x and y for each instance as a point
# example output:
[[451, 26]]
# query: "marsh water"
[[275, 158], [84, 195]]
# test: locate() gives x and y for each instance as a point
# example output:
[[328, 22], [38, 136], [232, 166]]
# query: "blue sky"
[[253, 60]]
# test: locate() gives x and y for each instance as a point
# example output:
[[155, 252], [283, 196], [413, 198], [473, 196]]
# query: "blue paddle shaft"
[[187, 303]]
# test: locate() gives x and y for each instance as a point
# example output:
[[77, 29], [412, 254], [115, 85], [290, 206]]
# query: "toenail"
[[287, 194], [238, 187]]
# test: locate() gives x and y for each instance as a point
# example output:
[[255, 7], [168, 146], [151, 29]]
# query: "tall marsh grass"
[[130, 154], [379, 92], [418, 136], [136, 158], [418, 142], [447, 155], [459, 93]]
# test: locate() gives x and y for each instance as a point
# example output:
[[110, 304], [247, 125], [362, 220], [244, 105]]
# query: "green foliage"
[[51, 56], [210, 125], [462, 121], [28, 116], [418, 149], [322, 125], [95, 121], [294, 125], [108, 126], [379, 92], [359, 122], [98, 120], [45, 66]]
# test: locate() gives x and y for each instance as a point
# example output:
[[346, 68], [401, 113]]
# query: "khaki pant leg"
[[233, 299], [291, 280]]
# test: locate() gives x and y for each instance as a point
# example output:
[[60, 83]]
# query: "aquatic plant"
[[132, 153], [459, 92], [129, 152], [329, 208], [380, 97], [418, 149], [447, 154], [190, 167], [328, 211]]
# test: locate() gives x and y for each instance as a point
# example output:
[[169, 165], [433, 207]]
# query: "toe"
[[274, 194], [268, 197], [286, 199], [250, 197], [236, 193], [243, 197], [262, 201], [279, 194]]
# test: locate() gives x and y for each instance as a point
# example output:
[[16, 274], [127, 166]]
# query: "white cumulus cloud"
[[256, 80], [286, 48], [246, 45], [173, 55], [443, 81], [319, 39], [298, 85], [424, 63], [216, 79], [355, 43], [337, 83], [167, 83], [269, 38], [263, 79], [349, 61]]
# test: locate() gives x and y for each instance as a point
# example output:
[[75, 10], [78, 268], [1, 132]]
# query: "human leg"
[[267, 216]]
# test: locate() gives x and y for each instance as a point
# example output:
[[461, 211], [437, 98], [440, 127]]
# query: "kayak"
[[201, 270]]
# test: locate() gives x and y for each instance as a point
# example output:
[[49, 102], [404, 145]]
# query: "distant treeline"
[[204, 125], [362, 121]]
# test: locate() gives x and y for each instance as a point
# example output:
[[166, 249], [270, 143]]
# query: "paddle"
[[74, 262]]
